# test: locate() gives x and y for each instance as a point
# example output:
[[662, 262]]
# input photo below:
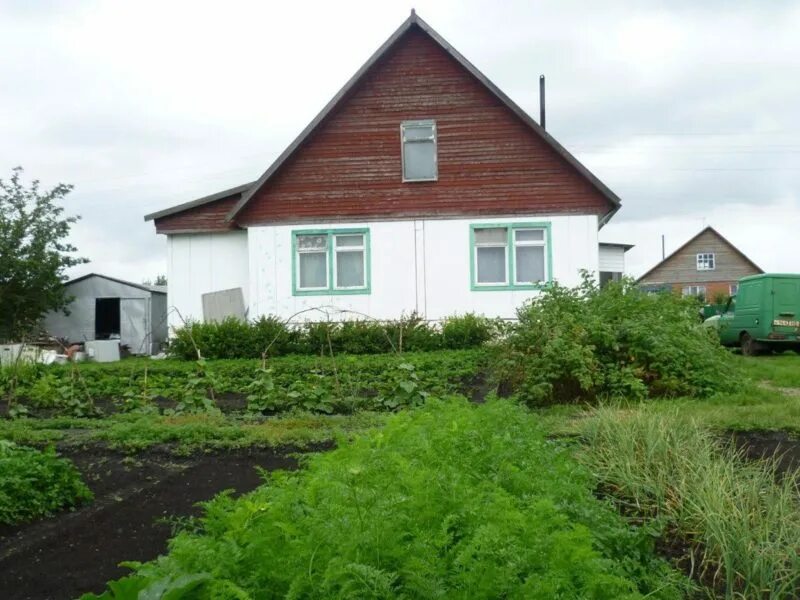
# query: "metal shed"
[[107, 308]]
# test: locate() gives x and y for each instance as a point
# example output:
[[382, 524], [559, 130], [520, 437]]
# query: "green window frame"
[[511, 244], [332, 250]]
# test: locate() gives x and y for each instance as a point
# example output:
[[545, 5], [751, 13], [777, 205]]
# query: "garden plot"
[[540, 495], [138, 503]]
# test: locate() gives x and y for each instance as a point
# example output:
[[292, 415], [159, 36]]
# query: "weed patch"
[[36, 483]]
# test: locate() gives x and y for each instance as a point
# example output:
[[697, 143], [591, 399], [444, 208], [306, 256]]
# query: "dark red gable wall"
[[490, 162], [208, 217]]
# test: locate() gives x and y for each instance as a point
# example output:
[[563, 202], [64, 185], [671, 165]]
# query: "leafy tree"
[[159, 280], [34, 253]]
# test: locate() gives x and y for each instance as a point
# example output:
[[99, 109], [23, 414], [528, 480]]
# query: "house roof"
[[625, 247], [415, 21], [247, 191], [239, 189], [692, 239], [156, 289]]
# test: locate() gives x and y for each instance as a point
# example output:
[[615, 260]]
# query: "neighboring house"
[[107, 308], [707, 265], [421, 187], [612, 261]]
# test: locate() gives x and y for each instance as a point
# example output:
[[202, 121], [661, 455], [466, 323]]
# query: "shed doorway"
[[106, 318]]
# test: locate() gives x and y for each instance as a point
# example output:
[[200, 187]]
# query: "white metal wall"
[[420, 265], [393, 274], [612, 258], [202, 263], [416, 265], [137, 316]]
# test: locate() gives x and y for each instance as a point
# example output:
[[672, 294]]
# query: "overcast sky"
[[689, 111]]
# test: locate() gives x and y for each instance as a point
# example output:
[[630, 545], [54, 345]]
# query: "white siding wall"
[[392, 280], [421, 266], [612, 258], [201, 263]]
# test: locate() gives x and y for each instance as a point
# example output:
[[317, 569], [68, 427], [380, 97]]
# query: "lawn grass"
[[767, 401], [187, 433], [781, 370]]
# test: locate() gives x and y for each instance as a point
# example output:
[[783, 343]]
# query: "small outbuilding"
[[105, 308]]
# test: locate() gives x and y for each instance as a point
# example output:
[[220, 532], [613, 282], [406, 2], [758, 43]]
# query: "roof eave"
[[198, 202]]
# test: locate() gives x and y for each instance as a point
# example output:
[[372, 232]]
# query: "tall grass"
[[741, 519]]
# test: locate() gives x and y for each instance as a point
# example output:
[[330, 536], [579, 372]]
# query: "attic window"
[[705, 261], [419, 150]]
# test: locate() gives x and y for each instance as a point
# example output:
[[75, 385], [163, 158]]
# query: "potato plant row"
[[319, 384]]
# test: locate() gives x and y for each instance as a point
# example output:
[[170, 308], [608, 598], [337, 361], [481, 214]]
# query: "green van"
[[763, 315]]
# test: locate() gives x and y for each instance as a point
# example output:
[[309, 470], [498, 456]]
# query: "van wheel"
[[748, 345]]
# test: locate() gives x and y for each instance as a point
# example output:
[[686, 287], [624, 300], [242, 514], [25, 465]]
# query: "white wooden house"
[[420, 187]]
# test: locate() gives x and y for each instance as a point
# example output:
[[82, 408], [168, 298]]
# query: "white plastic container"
[[103, 350]]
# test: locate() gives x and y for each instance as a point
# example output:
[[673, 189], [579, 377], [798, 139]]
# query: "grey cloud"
[[144, 137]]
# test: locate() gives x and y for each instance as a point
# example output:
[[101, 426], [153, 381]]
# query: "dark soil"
[[77, 552], [768, 444]]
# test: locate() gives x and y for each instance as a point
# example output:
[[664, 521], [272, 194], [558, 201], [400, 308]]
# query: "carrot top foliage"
[[449, 500]]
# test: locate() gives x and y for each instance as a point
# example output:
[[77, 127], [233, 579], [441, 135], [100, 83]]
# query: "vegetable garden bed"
[[135, 497]]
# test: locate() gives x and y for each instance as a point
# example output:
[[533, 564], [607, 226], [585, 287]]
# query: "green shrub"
[[449, 501], [270, 336], [585, 343], [467, 331], [34, 484], [741, 521]]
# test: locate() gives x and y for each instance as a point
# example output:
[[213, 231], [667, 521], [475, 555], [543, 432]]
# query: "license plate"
[[785, 323]]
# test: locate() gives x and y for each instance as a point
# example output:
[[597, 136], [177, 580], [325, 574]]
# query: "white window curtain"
[[350, 261], [312, 262], [491, 260], [419, 150], [529, 256]]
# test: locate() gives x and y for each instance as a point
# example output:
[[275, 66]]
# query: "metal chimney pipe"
[[541, 102]]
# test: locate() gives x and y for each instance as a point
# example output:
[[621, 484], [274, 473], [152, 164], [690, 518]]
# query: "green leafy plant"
[[342, 383], [403, 389], [35, 483], [262, 395], [139, 396], [446, 501], [198, 391], [74, 398], [311, 396], [585, 343]]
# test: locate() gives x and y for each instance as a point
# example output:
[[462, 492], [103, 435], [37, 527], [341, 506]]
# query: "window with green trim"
[[331, 261], [510, 256]]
